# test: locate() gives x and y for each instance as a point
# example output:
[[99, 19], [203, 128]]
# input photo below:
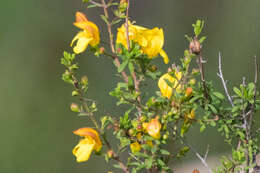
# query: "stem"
[[91, 115], [203, 160], [220, 74], [104, 5], [202, 75], [136, 81]]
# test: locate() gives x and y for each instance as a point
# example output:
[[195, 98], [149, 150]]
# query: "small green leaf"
[[131, 67], [188, 38], [202, 127], [104, 18], [213, 123], [164, 152], [122, 66], [219, 95], [202, 39], [213, 109], [237, 91]]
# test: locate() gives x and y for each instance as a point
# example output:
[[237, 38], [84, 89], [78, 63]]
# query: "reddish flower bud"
[[188, 91], [195, 46]]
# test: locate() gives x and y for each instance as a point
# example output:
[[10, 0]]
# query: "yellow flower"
[[135, 147], [90, 142], [88, 35], [150, 40], [154, 127], [166, 90]]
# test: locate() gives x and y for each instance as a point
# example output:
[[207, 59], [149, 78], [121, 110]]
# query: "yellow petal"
[[166, 90], [154, 128], [165, 56], [83, 150], [82, 42], [80, 17], [135, 147], [90, 133]]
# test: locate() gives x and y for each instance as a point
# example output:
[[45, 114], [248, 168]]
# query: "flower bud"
[[93, 106], [119, 50], [74, 107], [131, 132], [144, 125], [195, 46], [75, 93], [84, 80], [192, 81], [192, 114], [139, 127], [152, 68], [142, 118], [165, 136], [188, 91], [122, 5], [195, 171], [110, 153], [139, 136], [102, 50]]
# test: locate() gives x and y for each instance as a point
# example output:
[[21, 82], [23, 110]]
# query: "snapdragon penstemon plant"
[[185, 97]]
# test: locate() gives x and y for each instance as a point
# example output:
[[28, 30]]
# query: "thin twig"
[[104, 5], [245, 124], [253, 106], [203, 160], [202, 75], [95, 3], [136, 81], [220, 75], [206, 154]]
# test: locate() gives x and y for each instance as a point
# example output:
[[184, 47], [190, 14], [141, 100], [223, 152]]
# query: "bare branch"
[[206, 154], [220, 75], [203, 160]]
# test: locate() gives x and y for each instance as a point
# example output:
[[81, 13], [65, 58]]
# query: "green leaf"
[[213, 109], [122, 66], [104, 18], [219, 95], [202, 39], [188, 38], [164, 152], [237, 91], [149, 162], [131, 67], [213, 123], [92, 6], [202, 127]]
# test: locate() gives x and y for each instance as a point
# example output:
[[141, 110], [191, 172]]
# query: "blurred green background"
[[35, 121]]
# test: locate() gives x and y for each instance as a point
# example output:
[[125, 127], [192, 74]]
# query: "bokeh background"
[[35, 121]]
